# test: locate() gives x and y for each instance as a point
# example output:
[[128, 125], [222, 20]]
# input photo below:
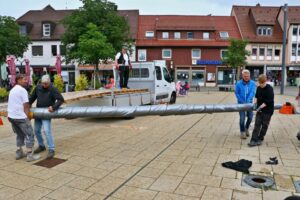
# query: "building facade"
[[192, 46]]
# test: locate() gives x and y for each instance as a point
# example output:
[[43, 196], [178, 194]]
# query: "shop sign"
[[274, 68], [209, 62]]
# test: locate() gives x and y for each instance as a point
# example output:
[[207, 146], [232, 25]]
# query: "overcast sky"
[[16, 8]]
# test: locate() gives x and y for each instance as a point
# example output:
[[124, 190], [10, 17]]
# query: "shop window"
[[54, 50], [166, 53], [165, 35], [37, 50], [197, 78], [206, 35], [196, 53], [190, 35], [142, 55], [177, 35], [182, 76]]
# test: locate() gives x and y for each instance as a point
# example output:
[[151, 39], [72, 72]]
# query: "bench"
[[226, 87]]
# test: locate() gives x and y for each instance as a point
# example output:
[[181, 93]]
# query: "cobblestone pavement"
[[155, 157]]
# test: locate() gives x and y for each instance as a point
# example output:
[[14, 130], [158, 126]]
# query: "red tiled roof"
[[260, 16], [186, 23], [34, 19], [294, 14]]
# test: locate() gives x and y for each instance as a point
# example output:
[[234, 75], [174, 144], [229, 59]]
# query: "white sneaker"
[[32, 157], [247, 133], [243, 135]]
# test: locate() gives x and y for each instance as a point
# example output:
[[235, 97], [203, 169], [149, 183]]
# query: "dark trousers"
[[124, 75], [261, 125]]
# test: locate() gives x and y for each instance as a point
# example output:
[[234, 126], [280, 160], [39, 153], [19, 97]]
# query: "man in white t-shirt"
[[123, 64], [18, 116]]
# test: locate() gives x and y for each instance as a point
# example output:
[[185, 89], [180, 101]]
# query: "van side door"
[[160, 88]]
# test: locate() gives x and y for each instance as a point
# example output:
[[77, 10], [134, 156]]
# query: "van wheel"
[[173, 98]]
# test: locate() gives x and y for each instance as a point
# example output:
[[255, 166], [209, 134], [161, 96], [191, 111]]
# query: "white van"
[[155, 77]]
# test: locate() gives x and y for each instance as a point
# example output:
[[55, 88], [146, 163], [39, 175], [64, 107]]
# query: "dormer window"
[[149, 34], [23, 30], [224, 35], [46, 30], [264, 31]]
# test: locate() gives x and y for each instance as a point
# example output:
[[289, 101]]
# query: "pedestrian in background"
[[244, 92], [47, 96], [123, 64], [264, 99], [18, 116]]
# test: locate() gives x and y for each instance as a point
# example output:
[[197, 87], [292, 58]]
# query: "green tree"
[[236, 55], [11, 42], [81, 83], [103, 14]]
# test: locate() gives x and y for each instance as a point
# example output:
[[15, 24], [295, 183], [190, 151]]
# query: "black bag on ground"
[[241, 165]]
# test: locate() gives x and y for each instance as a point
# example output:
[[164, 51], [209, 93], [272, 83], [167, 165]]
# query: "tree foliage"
[[93, 46], [11, 42], [237, 54], [81, 83], [102, 14]]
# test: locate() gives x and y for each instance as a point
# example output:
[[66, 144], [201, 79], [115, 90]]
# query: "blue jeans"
[[243, 127], [46, 124]]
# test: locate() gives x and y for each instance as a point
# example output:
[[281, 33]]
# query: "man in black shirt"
[[47, 96], [264, 99]]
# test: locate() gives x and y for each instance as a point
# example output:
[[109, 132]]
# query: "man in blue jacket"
[[245, 92]]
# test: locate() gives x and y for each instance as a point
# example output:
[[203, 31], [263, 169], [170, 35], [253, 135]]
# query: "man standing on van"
[[123, 64], [245, 92]]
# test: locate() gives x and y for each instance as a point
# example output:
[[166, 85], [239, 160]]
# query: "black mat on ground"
[[49, 163], [241, 165]]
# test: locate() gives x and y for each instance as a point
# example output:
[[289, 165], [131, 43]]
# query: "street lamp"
[[285, 10]]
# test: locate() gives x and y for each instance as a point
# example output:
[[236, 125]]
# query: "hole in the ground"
[[259, 180]]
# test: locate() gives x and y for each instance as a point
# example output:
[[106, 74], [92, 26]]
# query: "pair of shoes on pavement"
[[272, 161], [254, 143], [30, 156], [40, 149]]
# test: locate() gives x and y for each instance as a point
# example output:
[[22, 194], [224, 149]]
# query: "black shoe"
[[273, 162], [252, 144], [39, 149], [273, 158], [50, 154]]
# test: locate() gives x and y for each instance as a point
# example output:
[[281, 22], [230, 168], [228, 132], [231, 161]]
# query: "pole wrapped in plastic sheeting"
[[134, 111]]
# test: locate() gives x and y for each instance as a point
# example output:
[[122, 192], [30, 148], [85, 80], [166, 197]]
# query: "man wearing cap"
[[123, 64], [47, 96]]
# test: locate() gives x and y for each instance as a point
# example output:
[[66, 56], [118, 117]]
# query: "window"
[[269, 51], [294, 46], [167, 76], [254, 51], [177, 35], [224, 53], [46, 30], [264, 31], [62, 50], [224, 34], [196, 53], [166, 53], [206, 35], [23, 30], [37, 50], [149, 34], [165, 35], [277, 52], [54, 50], [190, 35], [262, 51], [139, 73], [142, 55], [298, 49], [295, 30], [158, 73]]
